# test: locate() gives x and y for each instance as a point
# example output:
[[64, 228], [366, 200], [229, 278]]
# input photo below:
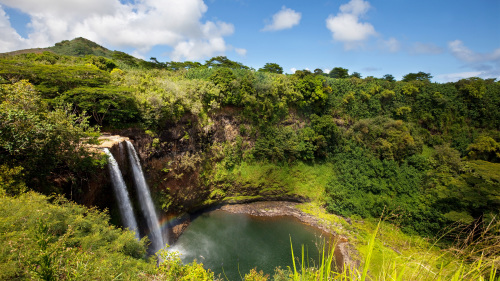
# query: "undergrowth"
[[474, 256]]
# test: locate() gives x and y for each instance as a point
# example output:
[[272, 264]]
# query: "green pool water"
[[232, 244]]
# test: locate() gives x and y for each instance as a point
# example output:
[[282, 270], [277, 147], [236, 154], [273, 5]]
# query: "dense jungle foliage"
[[427, 154]]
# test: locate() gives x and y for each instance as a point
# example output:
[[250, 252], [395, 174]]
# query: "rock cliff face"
[[178, 163], [174, 159]]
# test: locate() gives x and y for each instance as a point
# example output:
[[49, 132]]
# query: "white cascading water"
[[121, 193], [147, 206], [123, 151]]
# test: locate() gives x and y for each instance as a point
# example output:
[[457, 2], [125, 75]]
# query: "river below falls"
[[230, 244]]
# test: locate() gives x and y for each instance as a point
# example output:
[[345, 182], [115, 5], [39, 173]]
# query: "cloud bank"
[[420, 48], [284, 19], [460, 51], [346, 26], [10, 39], [140, 24], [485, 65], [391, 45]]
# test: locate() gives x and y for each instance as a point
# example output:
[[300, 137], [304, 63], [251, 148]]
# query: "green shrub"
[[53, 239], [172, 268], [367, 186]]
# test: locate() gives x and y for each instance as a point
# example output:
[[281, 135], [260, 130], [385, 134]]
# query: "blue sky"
[[449, 39]]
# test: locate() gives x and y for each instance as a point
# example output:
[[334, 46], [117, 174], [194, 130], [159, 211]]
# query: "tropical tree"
[[484, 148], [222, 78], [420, 76], [153, 59], [312, 88], [356, 74], [272, 68], [101, 62], [46, 144], [389, 78], [339, 72], [319, 71], [387, 138], [116, 104], [223, 61], [173, 65]]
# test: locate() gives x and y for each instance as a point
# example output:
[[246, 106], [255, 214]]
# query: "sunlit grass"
[[298, 179], [427, 266], [386, 253]]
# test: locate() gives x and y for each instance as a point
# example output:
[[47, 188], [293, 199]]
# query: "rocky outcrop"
[[175, 157], [178, 162], [106, 140]]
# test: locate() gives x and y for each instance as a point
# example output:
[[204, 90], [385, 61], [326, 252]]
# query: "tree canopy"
[[339, 72], [419, 76], [356, 75], [389, 78], [272, 68], [223, 61]]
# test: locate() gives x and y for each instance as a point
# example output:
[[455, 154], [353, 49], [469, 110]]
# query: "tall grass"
[[475, 256]]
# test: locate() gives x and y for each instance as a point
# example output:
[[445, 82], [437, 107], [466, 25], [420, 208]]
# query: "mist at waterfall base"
[[232, 244]]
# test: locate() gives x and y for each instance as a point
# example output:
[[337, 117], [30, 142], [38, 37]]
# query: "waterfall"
[[147, 206], [121, 193]]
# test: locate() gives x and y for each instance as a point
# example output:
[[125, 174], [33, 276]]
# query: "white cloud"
[[391, 45], [425, 48], [141, 25], [460, 51], [453, 77], [346, 26], [355, 7], [10, 39], [293, 69], [195, 49], [486, 64], [284, 19], [371, 69], [241, 52]]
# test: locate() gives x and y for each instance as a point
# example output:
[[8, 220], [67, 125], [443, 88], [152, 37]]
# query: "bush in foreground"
[[50, 238]]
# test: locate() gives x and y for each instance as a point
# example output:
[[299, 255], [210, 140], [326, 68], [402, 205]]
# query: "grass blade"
[[371, 245]]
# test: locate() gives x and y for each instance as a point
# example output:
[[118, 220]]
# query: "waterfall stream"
[[121, 193], [145, 201]]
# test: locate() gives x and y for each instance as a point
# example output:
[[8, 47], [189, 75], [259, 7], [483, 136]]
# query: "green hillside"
[[80, 47]]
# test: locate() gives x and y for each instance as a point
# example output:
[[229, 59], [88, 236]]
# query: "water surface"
[[231, 244]]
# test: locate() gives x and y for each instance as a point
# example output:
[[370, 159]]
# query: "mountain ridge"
[[78, 47], [82, 47]]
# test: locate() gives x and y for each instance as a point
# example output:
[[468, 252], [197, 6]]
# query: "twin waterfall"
[[121, 194], [147, 206], [143, 194]]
